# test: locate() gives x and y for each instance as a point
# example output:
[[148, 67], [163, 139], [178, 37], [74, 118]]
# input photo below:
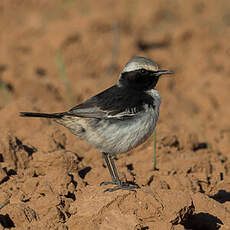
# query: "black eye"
[[143, 71]]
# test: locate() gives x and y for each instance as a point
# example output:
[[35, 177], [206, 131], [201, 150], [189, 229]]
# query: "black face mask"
[[139, 79]]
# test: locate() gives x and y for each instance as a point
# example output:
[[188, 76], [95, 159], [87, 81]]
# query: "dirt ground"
[[55, 54]]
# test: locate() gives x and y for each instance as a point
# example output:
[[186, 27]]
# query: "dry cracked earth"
[[55, 54]]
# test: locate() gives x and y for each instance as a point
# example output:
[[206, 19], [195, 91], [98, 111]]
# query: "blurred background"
[[55, 54], [61, 52]]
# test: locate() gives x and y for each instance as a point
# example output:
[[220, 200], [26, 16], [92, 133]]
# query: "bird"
[[119, 118]]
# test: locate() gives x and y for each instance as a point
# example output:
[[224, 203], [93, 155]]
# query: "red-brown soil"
[[50, 179]]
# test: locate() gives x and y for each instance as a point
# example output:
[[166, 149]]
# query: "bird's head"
[[141, 73]]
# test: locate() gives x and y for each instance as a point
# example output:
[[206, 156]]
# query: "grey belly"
[[113, 135]]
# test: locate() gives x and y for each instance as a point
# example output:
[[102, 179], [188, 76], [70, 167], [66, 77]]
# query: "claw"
[[107, 182], [118, 186]]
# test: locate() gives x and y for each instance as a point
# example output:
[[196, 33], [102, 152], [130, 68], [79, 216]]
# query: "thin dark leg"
[[114, 169], [105, 155], [115, 178]]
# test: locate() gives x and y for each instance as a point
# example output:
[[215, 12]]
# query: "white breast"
[[120, 136], [116, 135], [157, 98]]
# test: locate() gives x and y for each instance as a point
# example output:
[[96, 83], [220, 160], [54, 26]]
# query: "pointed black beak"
[[161, 72]]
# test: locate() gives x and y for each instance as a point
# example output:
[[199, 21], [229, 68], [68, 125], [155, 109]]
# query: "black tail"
[[46, 115]]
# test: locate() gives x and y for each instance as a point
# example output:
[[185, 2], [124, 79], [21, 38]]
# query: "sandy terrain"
[[55, 54]]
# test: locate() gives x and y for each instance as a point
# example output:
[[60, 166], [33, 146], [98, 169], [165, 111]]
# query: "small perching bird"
[[119, 118]]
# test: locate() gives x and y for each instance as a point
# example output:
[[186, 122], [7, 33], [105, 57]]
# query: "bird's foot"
[[107, 182], [120, 185]]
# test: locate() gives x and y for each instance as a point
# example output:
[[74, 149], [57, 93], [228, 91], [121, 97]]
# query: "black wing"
[[115, 102]]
